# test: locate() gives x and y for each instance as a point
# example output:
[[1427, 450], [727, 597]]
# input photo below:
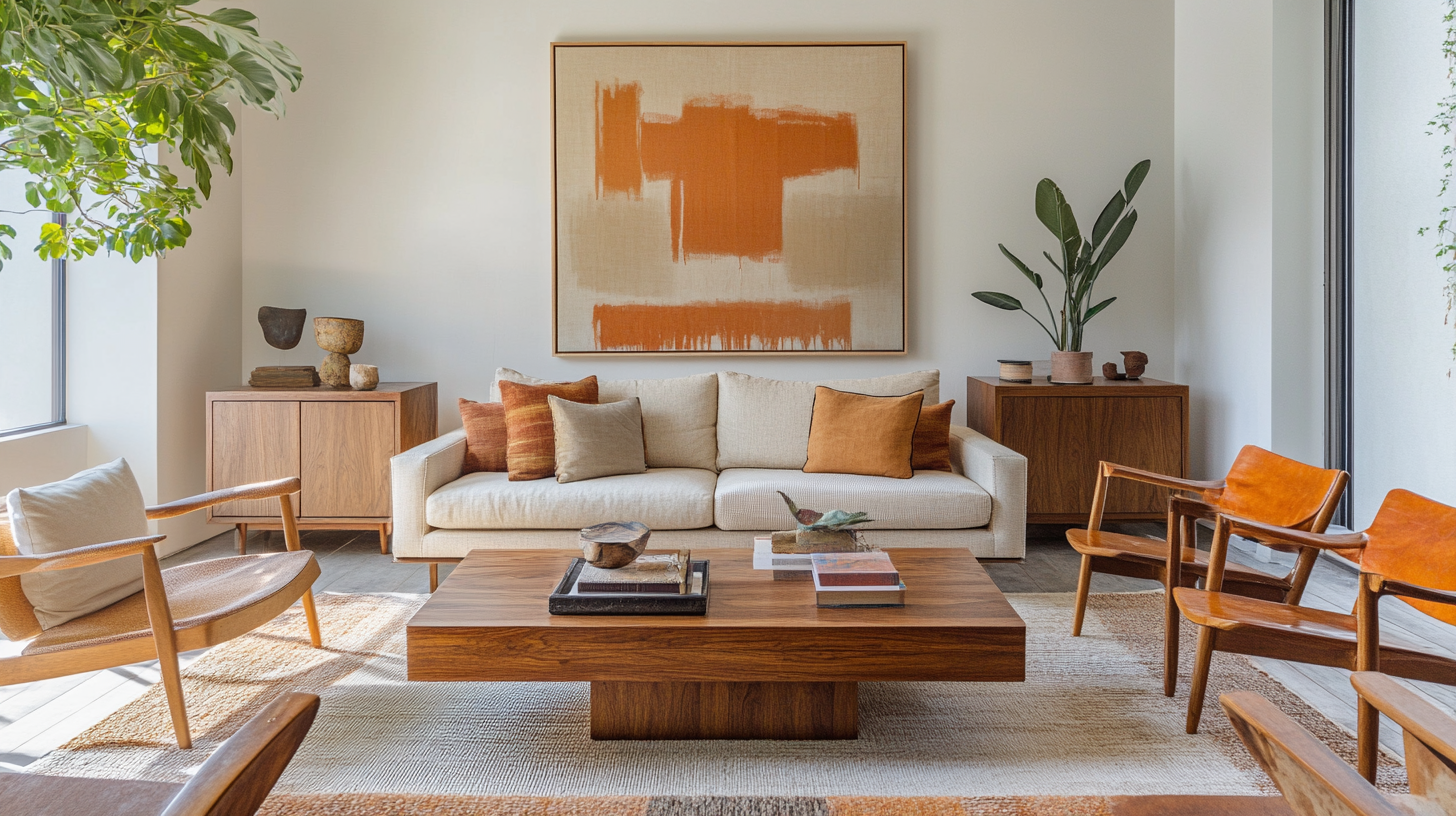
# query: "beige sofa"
[[719, 446]]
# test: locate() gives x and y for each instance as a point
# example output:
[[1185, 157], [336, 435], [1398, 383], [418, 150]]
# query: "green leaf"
[[1055, 214], [1092, 312], [998, 300], [1115, 241], [232, 17], [1025, 270], [1109, 216], [1135, 178], [258, 83]]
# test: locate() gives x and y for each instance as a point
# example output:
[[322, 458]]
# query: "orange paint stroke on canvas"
[[726, 162], [619, 143], [723, 325]]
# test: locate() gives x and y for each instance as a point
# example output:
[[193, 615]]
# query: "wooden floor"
[[36, 718]]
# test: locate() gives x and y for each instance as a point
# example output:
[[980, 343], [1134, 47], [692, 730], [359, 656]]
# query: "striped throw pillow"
[[530, 436]]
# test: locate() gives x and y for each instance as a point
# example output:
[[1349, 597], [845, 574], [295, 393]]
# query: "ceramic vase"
[[363, 377]]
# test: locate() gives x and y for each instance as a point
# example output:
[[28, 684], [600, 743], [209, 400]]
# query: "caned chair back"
[[1273, 489], [1413, 540], [17, 614]]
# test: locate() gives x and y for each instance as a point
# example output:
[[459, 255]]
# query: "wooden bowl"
[[614, 544], [343, 335]]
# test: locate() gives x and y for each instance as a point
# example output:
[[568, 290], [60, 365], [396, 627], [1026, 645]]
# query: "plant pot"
[[1072, 367]]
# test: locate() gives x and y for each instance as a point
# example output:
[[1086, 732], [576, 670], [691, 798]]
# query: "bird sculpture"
[[815, 520]]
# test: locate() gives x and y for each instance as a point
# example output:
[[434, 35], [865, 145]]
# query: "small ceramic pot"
[[1072, 367], [363, 377], [342, 335]]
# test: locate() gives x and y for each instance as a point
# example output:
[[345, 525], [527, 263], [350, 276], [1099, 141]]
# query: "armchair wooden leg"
[[435, 579], [315, 635], [1201, 666], [242, 531], [1179, 532], [1084, 586], [165, 637], [1368, 736], [1367, 659]]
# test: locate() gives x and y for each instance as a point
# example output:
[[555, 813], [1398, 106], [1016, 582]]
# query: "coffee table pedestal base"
[[692, 710]]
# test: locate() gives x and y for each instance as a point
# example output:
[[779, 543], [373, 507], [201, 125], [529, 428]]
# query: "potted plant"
[[1082, 261]]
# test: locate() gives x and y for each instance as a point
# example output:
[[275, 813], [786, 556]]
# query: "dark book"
[[649, 573], [859, 569]]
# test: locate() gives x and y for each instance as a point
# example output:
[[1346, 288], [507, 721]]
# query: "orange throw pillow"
[[485, 436], [530, 436], [932, 438], [869, 436]]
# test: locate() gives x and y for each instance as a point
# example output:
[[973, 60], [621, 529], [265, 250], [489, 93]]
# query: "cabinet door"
[[252, 442], [346, 451], [1063, 439]]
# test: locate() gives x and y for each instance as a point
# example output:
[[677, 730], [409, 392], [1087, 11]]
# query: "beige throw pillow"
[[93, 507], [597, 440]]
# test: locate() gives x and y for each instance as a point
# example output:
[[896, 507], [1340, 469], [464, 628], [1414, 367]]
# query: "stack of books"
[[856, 579], [785, 566]]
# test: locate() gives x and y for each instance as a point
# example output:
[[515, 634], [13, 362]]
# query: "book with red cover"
[[855, 569]]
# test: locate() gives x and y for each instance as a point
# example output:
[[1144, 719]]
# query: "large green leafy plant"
[[1082, 259], [93, 91]]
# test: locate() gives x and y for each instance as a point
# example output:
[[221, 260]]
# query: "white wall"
[[1403, 335], [40, 457], [410, 184], [1248, 202]]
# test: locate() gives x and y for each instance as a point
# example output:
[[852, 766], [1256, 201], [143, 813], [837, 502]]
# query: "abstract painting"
[[729, 198]]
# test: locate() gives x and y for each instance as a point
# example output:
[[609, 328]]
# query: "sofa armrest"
[[1001, 472], [414, 475]]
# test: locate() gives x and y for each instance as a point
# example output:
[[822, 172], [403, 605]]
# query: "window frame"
[[58, 347]]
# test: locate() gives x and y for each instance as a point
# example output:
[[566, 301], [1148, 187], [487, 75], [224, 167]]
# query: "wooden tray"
[[561, 602]]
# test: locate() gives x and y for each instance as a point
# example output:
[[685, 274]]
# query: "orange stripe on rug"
[[724, 326]]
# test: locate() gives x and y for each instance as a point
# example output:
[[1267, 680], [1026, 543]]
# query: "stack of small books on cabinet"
[[856, 579]]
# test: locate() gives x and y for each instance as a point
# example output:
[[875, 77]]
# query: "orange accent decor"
[[1273, 489], [726, 160], [741, 325], [619, 145], [1413, 539]]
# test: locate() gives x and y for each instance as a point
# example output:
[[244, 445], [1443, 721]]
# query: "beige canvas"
[[715, 198]]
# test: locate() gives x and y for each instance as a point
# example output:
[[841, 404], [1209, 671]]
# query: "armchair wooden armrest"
[[78, 557], [1300, 538], [257, 490], [1409, 710], [1110, 469], [1386, 586]]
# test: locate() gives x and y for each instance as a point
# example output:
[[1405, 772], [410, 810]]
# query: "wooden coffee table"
[[764, 663]]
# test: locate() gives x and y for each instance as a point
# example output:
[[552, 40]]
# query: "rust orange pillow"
[[869, 436], [485, 436], [530, 436], [932, 438]]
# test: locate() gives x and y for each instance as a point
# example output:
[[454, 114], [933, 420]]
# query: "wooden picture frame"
[[728, 198]]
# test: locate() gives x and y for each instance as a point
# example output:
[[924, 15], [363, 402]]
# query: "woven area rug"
[[1090, 722]]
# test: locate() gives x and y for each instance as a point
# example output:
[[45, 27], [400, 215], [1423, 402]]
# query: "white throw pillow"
[[93, 507], [764, 423], [679, 415]]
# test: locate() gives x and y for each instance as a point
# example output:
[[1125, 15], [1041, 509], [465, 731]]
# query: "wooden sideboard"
[[338, 442], [1065, 430]]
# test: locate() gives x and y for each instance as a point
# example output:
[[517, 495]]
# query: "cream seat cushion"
[[679, 415], [95, 506], [764, 423], [931, 500], [661, 498]]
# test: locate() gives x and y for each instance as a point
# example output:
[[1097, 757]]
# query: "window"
[[32, 322]]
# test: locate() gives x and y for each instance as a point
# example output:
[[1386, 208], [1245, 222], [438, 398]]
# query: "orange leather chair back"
[[1413, 539], [1267, 487]]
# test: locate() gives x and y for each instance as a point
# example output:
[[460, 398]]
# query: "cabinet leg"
[[242, 531], [383, 540]]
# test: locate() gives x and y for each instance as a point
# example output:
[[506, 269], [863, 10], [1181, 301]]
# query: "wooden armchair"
[[1409, 552], [234, 781], [1315, 782], [192, 606], [1260, 485]]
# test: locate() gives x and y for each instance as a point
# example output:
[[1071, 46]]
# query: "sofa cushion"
[[530, 438], [932, 438], [485, 435], [593, 441], [931, 500], [95, 506], [764, 423], [679, 415], [853, 433], [661, 498]]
